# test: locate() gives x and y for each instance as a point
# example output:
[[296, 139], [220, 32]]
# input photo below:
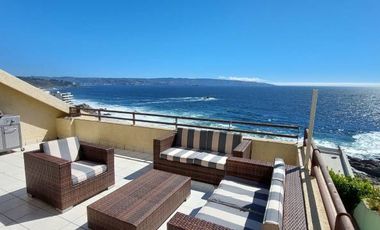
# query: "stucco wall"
[[140, 138], [124, 136], [38, 120], [267, 150]]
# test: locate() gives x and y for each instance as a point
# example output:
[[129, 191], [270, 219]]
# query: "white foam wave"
[[280, 139], [177, 100], [145, 109], [365, 145], [141, 109], [326, 143], [97, 105]]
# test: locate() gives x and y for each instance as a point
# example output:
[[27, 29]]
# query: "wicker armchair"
[[50, 178], [200, 142], [294, 216]]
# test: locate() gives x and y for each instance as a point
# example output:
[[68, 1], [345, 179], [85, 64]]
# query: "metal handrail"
[[74, 111], [336, 212]]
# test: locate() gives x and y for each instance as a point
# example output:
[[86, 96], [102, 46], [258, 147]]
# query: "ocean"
[[346, 116]]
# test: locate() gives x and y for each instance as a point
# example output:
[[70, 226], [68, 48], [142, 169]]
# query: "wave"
[[141, 109], [364, 145], [147, 109], [177, 100], [326, 143], [96, 104]]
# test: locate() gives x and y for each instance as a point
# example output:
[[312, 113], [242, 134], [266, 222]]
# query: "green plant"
[[374, 200], [352, 190]]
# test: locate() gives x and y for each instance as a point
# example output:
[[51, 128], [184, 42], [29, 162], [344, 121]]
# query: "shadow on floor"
[[6, 153], [139, 173], [133, 158], [195, 212], [17, 208]]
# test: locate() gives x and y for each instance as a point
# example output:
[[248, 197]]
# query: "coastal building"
[[64, 96], [316, 205]]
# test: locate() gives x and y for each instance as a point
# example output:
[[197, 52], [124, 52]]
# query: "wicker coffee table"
[[144, 203]]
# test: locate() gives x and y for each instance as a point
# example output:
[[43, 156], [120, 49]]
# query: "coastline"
[[366, 168]]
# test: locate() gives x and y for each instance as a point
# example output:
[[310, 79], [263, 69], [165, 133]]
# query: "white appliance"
[[10, 132]]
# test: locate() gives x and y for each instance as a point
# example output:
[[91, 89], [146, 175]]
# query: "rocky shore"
[[366, 168], [84, 107]]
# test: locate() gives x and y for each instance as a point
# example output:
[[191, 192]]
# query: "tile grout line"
[[15, 221]]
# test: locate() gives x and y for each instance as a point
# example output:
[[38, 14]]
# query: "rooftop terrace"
[[45, 118]]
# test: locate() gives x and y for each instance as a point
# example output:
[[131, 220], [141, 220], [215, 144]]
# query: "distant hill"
[[60, 82], [48, 83]]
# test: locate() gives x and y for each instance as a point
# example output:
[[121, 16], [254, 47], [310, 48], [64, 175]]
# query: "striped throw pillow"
[[213, 141], [191, 138], [222, 142]]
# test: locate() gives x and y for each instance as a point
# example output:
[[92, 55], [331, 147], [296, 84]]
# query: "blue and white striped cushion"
[[67, 148], [206, 140], [180, 155], [191, 156], [228, 217], [278, 170], [211, 160], [191, 138], [242, 194], [274, 209], [222, 142], [84, 170]]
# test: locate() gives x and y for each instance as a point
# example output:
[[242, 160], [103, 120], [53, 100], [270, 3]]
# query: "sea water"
[[346, 116]]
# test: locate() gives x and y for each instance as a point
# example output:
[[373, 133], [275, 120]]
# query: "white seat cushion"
[[242, 194], [67, 149], [179, 154], [229, 217], [83, 170], [211, 160], [192, 156]]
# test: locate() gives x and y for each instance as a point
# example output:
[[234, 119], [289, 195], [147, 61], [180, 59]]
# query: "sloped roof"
[[31, 91]]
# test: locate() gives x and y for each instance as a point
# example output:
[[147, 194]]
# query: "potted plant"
[[367, 212], [360, 198]]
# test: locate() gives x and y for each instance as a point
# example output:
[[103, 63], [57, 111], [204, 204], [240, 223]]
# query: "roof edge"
[[32, 91]]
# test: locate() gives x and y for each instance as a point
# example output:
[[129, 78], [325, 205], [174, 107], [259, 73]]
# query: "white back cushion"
[[67, 149], [279, 170], [274, 210]]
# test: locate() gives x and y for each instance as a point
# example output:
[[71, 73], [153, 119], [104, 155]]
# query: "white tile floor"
[[18, 211]]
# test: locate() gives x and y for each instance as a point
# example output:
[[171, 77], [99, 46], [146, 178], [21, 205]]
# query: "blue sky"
[[275, 41]]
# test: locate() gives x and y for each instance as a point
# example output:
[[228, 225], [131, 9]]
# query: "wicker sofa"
[[199, 154], [65, 172], [253, 195]]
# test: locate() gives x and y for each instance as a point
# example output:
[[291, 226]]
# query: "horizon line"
[[242, 79], [277, 83], [335, 84]]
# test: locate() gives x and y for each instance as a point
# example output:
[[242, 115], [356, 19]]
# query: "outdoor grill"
[[10, 132]]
